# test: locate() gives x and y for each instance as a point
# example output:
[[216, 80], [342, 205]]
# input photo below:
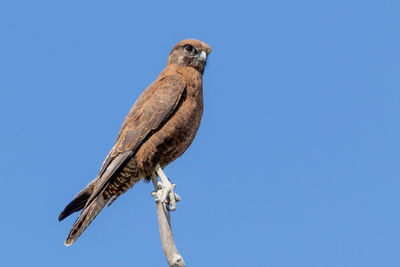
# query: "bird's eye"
[[190, 49]]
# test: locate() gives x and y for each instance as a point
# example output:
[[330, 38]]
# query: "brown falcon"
[[160, 126]]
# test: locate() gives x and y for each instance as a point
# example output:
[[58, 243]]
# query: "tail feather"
[[87, 216], [79, 201], [92, 200]]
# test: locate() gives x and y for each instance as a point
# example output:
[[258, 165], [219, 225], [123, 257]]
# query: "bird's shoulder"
[[158, 96], [149, 112]]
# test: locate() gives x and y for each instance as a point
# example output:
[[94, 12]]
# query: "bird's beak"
[[202, 55]]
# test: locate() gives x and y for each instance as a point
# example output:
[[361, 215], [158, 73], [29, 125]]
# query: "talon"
[[172, 207]]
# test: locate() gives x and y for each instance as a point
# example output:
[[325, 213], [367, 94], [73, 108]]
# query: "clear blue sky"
[[296, 162]]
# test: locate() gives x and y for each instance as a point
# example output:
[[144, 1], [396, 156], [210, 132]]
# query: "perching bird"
[[160, 126]]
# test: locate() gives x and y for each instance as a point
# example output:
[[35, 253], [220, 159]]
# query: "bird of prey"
[[160, 126]]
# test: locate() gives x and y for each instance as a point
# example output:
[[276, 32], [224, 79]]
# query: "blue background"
[[296, 162]]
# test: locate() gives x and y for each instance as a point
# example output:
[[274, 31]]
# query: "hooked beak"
[[202, 55]]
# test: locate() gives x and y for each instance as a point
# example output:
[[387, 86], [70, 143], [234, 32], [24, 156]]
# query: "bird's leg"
[[157, 186], [156, 183], [166, 187]]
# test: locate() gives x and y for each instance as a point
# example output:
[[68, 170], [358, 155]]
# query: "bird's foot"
[[168, 195], [164, 190]]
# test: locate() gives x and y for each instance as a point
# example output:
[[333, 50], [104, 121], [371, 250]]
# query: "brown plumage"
[[159, 128]]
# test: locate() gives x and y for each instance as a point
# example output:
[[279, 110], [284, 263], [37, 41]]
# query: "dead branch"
[[172, 254]]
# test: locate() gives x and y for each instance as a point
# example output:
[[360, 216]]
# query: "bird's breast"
[[176, 135]]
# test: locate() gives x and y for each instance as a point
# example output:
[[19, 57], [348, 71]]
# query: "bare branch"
[[172, 255]]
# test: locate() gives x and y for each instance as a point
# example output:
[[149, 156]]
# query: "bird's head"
[[190, 53]]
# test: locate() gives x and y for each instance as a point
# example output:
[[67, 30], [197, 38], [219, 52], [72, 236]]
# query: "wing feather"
[[150, 112]]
